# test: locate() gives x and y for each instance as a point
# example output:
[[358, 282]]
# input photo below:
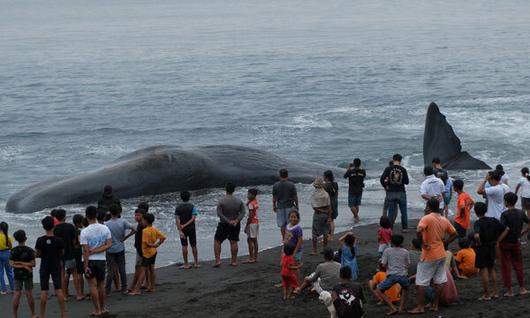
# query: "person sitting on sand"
[[355, 176], [465, 260], [383, 234], [289, 271], [22, 260], [396, 260], [510, 246], [252, 227], [348, 253], [392, 293], [332, 188], [185, 216], [321, 204], [326, 274], [284, 200], [464, 204], [348, 297], [230, 211], [432, 229], [488, 233]]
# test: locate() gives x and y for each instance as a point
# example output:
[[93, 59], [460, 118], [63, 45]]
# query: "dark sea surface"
[[84, 82]]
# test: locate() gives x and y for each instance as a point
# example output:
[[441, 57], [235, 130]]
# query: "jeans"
[[116, 259], [395, 199], [4, 266], [511, 256]]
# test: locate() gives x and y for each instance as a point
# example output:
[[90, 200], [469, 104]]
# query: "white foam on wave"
[[494, 100], [309, 121], [106, 150], [11, 153]]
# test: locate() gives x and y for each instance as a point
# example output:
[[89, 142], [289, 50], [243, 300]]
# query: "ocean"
[[82, 83]]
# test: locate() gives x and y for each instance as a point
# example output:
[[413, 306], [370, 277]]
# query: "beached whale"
[[165, 169], [439, 140]]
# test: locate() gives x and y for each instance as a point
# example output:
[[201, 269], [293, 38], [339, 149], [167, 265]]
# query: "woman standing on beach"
[[6, 244], [332, 188], [321, 204], [524, 186]]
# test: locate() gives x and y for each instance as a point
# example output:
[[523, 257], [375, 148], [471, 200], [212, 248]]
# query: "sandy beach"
[[249, 291]]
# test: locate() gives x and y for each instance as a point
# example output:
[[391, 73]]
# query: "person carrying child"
[[289, 271], [22, 261], [396, 260], [185, 216], [252, 227]]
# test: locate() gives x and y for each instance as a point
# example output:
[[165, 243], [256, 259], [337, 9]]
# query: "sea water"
[[84, 82]]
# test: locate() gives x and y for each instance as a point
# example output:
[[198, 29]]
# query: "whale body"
[[165, 169], [439, 140]]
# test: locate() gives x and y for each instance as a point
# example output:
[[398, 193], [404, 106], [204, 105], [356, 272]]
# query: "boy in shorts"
[[138, 268], [185, 215], [50, 250], [22, 261], [488, 232], [152, 238], [252, 227]]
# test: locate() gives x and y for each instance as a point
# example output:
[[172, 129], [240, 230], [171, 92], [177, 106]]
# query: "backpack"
[[395, 177], [347, 305]]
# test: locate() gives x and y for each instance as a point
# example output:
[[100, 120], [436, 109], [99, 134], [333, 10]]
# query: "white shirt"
[[495, 195], [95, 235], [505, 179], [524, 187], [434, 187]]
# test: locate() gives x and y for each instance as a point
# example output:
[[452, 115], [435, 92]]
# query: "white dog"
[[325, 298]]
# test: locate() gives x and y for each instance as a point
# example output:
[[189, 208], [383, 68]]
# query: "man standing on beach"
[[443, 175], [432, 187], [394, 179], [231, 211], [355, 176], [494, 194], [284, 200], [432, 230]]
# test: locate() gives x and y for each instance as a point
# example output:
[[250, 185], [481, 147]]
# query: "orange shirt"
[[393, 292], [466, 261], [464, 202], [150, 235], [434, 228]]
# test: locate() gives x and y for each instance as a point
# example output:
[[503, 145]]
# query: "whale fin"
[[439, 140]]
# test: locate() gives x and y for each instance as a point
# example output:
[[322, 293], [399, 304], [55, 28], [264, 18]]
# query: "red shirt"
[[286, 262], [253, 207], [385, 235]]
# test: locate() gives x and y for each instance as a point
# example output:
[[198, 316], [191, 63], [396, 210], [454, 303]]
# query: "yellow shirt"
[[150, 235], [3, 245]]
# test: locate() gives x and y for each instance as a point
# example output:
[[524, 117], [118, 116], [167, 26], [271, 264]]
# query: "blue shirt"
[[117, 229]]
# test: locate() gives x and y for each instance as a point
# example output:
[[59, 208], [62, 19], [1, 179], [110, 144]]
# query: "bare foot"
[[196, 265], [185, 266], [523, 291], [417, 311], [216, 265], [508, 294]]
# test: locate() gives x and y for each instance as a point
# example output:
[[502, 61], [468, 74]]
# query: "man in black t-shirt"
[[510, 247], [355, 176], [67, 233], [185, 215], [138, 269], [488, 232], [348, 297], [50, 249], [394, 179], [22, 261]]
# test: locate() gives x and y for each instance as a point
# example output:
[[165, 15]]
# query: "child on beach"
[[77, 220], [397, 260], [383, 234], [463, 208], [49, 249], [392, 293], [252, 227], [348, 251], [465, 260], [289, 271], [138, 269], [488, 232], [295, 236], [22, 261], [152, 238], [185, 215]]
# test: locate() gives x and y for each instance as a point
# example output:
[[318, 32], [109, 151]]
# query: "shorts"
[[434, 270], [354, 200], [149, 261], [97, 268], [282, 216], [525, 203], [485, 256], [26, 284], [69, 265], [290, 281], [298, 256], [391, 280], [460, 230], [45, 279], [139, 260], [320, 224], [189, 235], [447, 199], [252, 230], [226, 231]]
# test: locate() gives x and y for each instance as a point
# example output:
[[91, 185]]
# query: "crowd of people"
[[91, 249]]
